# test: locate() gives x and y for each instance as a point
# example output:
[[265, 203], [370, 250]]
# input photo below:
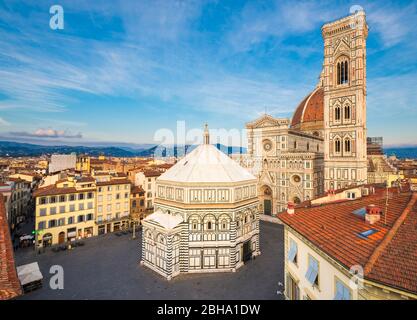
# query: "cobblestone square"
[[107, 267]]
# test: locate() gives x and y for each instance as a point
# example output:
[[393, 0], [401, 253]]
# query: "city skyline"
[[122, 71], [208, 150]]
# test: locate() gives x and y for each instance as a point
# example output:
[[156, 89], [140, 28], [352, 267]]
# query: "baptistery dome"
[[205, 216]]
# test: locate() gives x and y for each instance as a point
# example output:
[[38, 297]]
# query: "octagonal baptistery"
[[206, 216]]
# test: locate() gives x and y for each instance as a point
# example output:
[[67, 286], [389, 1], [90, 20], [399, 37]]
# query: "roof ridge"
[[9, 281], [390, 235], [306, 103]]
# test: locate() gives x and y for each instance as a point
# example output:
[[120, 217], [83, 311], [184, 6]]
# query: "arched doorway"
[[266, 200], [47, 240], [61, 237], [296, 200]]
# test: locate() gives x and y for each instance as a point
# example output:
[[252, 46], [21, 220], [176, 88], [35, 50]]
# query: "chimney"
[[373, 214], [290, 208]]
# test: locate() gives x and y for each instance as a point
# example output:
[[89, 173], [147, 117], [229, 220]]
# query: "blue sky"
[[121, 70]]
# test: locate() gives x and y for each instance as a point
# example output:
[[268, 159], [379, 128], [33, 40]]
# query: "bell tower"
[[344, 81]]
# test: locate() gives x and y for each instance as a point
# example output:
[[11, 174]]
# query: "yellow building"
[[113, 204], [65, 211]]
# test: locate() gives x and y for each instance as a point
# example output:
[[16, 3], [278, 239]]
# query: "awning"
[[27, 237], [29, 273]]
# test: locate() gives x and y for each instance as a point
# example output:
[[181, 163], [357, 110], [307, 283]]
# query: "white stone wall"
[[328, 272]]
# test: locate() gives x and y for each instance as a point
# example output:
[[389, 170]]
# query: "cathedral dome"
[[310, 112], [206, 164]]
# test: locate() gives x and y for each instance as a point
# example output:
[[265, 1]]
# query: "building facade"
[[287, 162], [60, 162], [344, 85], [206, 216], [323, 147], [65, 211], [113, 205], [17, 199], [147, 180], [352, 247], [81, 207], [137, 205]]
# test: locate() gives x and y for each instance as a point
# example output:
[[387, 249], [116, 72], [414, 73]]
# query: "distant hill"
[[402, 152], [18, 149]]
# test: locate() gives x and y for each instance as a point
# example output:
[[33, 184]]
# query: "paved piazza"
[[110, 269]]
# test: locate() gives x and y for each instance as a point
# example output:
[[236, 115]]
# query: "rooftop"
[[166, 220], [310, 109], [9, 282], [386, 255], [206, 164]]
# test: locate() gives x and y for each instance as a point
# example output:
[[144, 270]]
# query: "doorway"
[[266, 200], [247, 252], [267, 207], [61, 237], [47, 240]]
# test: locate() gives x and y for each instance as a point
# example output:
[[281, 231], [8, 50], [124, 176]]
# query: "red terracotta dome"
[[310, 112]]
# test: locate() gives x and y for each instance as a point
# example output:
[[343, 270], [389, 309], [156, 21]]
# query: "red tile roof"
[[9, 282], [151, 173], [387, 256], [86, 179], [113, 182], [53, 190], [137, 189]]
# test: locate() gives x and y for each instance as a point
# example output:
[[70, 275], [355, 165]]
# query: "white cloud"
[[394, 24], [47, 133], [4, 122], [257, 23]]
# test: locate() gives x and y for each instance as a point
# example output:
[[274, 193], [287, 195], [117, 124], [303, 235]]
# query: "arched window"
[[337, 146], [346, 72], [347, 145], [342, 72], [295, 144], [347, 112], [337, 113], [338, 73], [308, 146], [224, 224], [209, 225]]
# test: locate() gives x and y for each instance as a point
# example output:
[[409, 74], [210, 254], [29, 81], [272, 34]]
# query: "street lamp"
[[36, 233], [134, 227]]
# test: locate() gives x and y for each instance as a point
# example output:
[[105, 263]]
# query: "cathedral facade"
[[323, 147]]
